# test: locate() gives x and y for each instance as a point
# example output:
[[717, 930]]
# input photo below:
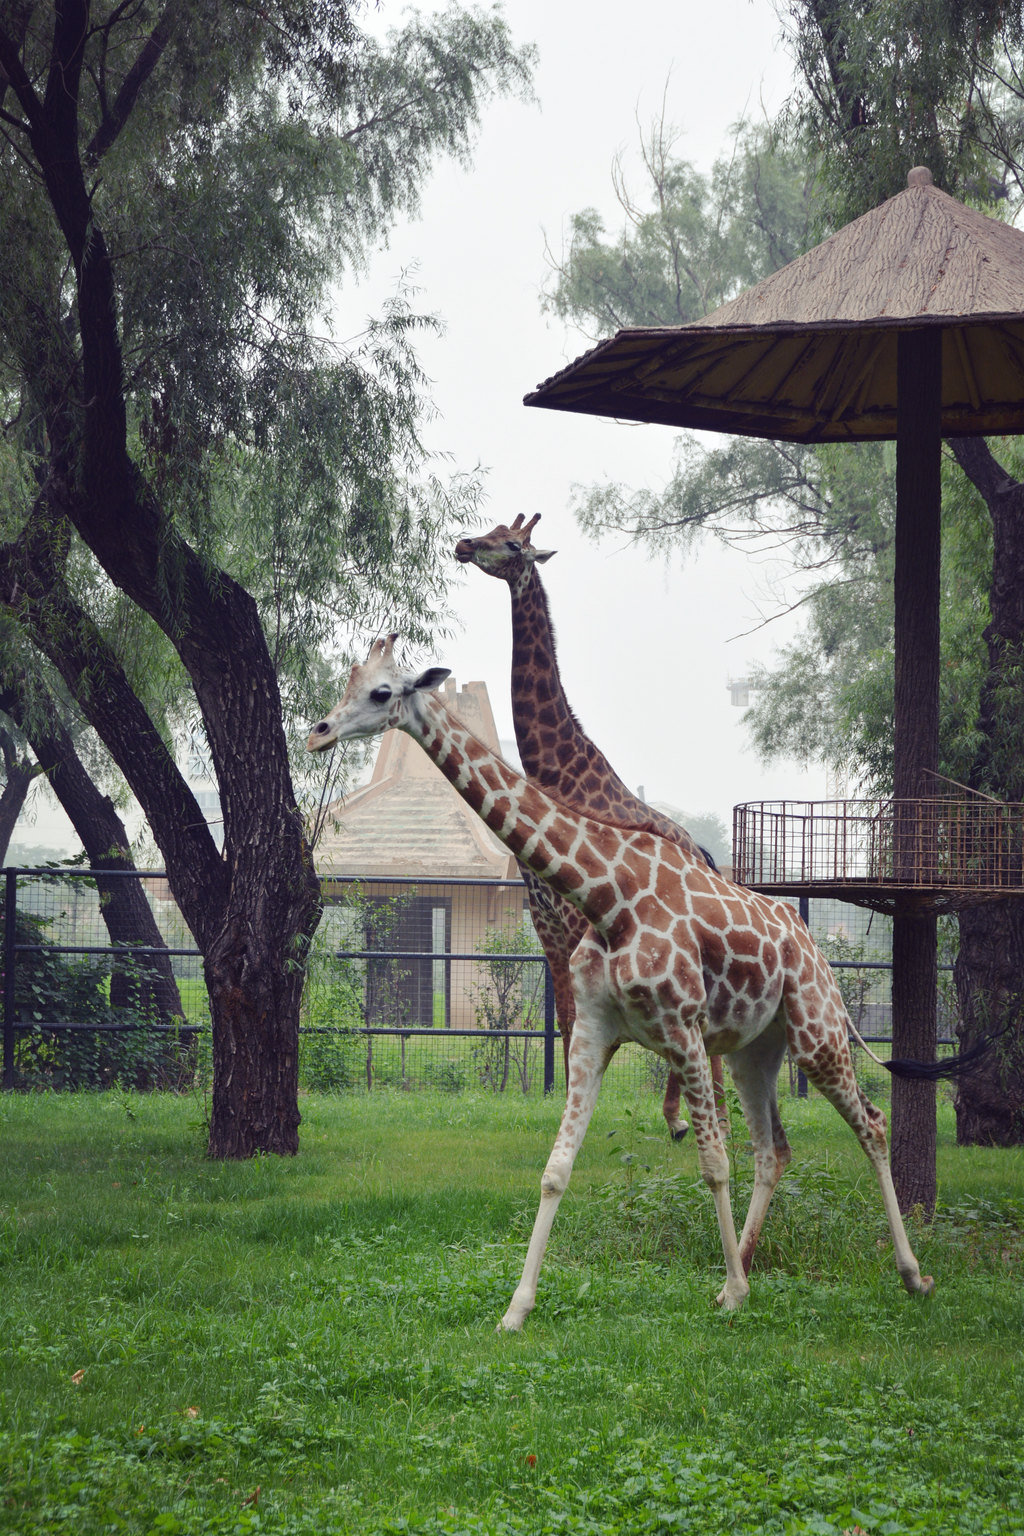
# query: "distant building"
[[739, 692], [408, 821]]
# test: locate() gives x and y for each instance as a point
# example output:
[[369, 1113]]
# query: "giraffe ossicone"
[[675, 957]]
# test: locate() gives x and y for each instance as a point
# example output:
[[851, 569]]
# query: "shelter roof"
[[809, 354]]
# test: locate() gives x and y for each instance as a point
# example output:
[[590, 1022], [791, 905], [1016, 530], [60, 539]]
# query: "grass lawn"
[[309, 1345]]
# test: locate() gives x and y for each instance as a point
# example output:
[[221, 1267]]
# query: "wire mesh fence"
[[960, 843], [411, 983]]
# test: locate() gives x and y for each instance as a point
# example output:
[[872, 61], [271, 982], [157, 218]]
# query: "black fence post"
[[801, 1081], [549, 1031], [10, 915]]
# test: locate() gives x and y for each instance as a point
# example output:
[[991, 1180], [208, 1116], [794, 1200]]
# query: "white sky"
[[645, 650]]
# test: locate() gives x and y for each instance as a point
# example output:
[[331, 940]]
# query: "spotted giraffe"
[[675, 957], [558, 755]]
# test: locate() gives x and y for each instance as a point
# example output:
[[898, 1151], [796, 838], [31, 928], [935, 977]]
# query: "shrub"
[[510, 997], [115, 1046]]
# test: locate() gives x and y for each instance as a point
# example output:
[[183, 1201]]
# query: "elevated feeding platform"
[[895, 856]]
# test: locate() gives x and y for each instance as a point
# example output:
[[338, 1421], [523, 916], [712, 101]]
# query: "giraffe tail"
[[931, 1071]]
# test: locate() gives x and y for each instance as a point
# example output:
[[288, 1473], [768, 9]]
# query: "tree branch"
[[150, 54]]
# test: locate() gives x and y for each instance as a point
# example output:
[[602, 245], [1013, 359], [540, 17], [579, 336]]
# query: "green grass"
[[322, 1330]]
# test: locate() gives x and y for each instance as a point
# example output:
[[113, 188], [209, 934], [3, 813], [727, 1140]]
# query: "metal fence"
[[411, 983]]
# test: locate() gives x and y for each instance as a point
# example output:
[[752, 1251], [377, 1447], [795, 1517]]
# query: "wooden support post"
[[916, 745]]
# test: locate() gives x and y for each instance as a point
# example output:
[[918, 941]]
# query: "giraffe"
[[557, 753], [675, 957]]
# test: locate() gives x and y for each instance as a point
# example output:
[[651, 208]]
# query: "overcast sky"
[[646, 650]]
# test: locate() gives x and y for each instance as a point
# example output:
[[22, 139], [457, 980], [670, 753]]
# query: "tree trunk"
[[18, 782], [254, 1007], [989, 976], [990, 967], [252, 910]]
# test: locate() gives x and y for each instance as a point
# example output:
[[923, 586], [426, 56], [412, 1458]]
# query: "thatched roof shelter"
[[906, 324], [809, 354]]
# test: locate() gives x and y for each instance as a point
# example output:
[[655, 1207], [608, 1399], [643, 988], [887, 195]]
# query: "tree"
[[884, 88], [941, 84], [697, 241], [180, 185], [147, 985], [20, 773]]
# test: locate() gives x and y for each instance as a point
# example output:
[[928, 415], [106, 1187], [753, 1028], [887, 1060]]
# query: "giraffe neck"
[[540, 708], [554, 749], [573, 854]]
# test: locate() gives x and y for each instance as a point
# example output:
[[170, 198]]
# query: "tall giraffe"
[[675, 957], [558, 755]]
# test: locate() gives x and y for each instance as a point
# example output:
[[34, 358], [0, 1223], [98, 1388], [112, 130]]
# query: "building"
[[406, 836]]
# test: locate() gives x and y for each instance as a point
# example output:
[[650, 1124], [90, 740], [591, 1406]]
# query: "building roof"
[[408, 820]]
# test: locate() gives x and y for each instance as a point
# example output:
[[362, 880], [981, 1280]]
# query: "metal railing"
[[425, 961], [967, 843], [395, 959]]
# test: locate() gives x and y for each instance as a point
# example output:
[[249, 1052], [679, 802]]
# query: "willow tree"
[[180, 186]]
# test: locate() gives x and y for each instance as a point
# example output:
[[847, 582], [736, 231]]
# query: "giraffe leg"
[[721, 1107], [829, 1067], [685, 1053], [565, 1011], [677, 1126], [590, 1052], [558, 927], [755, 1070]]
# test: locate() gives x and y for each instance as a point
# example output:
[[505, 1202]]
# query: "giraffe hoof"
[[679, 1131], [918, 1284]]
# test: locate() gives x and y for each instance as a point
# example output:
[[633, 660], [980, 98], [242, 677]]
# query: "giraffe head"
[[504, 552], [379, 696]]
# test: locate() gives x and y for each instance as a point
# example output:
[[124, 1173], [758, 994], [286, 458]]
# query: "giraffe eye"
[[512, 545], [380, 695]]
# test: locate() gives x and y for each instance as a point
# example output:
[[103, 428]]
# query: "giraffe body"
[[557, 754], [675, 957]]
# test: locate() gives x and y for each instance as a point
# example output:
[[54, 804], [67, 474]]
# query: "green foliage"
[[123, 1046], [914, 82], [828, 695], [882, 88], [264, 159], [510, 996], [334, 1003], [692, 243]]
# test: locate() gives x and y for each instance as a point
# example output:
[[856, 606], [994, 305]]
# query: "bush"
[[330, 1060], [116, 1046], [511, 997]]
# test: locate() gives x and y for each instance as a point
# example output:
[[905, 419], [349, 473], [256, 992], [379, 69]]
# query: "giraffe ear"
[[540, 555], [427, 681]]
